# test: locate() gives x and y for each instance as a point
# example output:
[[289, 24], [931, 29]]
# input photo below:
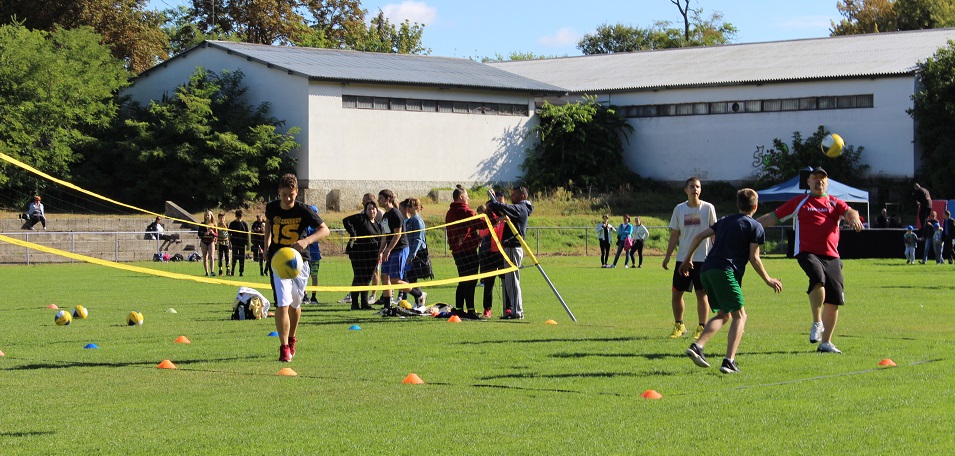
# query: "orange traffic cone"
[[166, 364], [413, 379], [183, 340], [52, 306], [651, 394], [454, 319], [887, 362], [287, 371], [550, 322]]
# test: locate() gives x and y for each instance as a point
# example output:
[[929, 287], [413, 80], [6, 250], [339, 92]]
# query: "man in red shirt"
[[817, 240]]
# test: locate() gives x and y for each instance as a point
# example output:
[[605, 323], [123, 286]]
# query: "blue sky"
[[458, 28]]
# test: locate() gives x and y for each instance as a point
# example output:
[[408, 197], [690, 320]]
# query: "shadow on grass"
[[547, 341], [917, 287], [150, 363], [534, 375], [25, 433], [648, 356]]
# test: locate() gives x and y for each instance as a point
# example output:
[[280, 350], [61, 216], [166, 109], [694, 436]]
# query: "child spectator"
[[738, 238], [910, 240], [240, 240]]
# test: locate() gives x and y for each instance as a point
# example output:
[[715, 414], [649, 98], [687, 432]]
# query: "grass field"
[[495, 387]]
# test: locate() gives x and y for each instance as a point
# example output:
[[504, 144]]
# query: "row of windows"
[[413, 104], [750, 106]]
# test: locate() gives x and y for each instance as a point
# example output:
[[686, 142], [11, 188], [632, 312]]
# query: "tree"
[[874, 16], [383, 36], [684, 7], [934, 113], [55, 88], [333, 20], [205, 146], [579, 145], [608, 39], [783, 162], [131, 30]]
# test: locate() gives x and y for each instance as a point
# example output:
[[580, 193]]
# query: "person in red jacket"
[[463, 240]]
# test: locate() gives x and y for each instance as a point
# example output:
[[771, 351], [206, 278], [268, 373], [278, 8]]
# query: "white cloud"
[[563, 37], [418, 12]]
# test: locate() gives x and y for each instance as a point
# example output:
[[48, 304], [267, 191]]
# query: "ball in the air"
[[832, 145], [80, 312], [134, 318], [63, 318], [287, 263]]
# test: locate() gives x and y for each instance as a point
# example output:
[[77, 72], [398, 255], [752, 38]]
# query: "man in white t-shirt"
[[689, 219]]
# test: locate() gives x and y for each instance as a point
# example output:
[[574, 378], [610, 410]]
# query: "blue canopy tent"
[[790, 188]]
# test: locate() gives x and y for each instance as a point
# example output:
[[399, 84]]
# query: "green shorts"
[[722, 289]]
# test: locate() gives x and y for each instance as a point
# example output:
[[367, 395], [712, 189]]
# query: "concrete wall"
[[721, 146]]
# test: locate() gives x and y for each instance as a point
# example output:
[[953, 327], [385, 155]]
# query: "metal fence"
[[126, 246]]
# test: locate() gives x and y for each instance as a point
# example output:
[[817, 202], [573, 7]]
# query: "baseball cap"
[[910, 227], [819, 170]]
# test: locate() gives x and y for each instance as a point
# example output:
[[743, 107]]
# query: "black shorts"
[[687, 283], [825, 270]]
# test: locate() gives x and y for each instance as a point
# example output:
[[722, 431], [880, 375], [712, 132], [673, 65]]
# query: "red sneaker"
[[486, 314], [284, 354], [291, 345]]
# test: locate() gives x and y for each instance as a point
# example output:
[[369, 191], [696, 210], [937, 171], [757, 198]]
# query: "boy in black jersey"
[[285, 223]]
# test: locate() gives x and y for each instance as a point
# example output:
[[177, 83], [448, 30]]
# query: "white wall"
[[721, 146]]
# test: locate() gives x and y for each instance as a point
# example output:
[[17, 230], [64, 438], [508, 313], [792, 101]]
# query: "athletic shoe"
[[470, 315], [507, 314], [367, 307], [212, 274], [678, 331], [423, 299], [284, 354], [626, 267], [346, 299], [355, 307], [695, 352], [729, 366], [313, 300], [291, 346], [827, 347], [815, 332], [698, 332], [486, 314]]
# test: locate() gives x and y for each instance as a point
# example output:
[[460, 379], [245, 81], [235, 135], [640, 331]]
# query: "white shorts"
[[289, 292]]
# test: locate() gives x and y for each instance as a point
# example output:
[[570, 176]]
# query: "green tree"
[[874, 16], [383, 36], [934, 113], [55, 88], [204, 146], [130, 29], [699, 31], [783, 161], [580, 145]]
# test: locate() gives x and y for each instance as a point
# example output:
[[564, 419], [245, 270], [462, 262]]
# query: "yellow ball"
[[80, 312], [287, 263], [134, 318], [404, 304], [832, 145], [63, 318]]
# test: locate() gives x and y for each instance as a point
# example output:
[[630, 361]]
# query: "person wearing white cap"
[[817, 240]]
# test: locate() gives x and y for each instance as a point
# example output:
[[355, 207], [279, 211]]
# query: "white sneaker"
[[827, 347], [346, 299], [815, 332], [422, 301]]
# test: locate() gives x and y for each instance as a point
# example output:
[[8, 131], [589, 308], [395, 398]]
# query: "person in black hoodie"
[[518, 211], [363, 249]]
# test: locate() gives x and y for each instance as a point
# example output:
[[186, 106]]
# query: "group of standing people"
[[228, 243], [630, 241]]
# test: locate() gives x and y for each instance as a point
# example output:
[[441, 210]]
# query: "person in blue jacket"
[[624, 240]]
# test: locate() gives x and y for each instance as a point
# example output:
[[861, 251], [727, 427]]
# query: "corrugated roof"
[[372, 67], [878, 54]]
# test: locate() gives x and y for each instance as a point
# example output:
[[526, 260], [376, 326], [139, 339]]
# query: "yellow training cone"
[[887, 362], [166, 364], [651, 394], [287, 371], [550, 322], [183, 340], [413, 379]]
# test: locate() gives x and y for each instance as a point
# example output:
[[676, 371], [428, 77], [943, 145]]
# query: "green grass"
[[491, 387]]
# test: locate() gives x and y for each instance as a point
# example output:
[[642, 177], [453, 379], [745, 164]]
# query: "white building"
[[413, 123]]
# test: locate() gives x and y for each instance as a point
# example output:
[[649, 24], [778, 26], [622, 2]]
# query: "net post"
[[517, 234]]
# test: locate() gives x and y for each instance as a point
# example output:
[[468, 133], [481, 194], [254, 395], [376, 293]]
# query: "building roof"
[[869, 55], [379, 68]]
